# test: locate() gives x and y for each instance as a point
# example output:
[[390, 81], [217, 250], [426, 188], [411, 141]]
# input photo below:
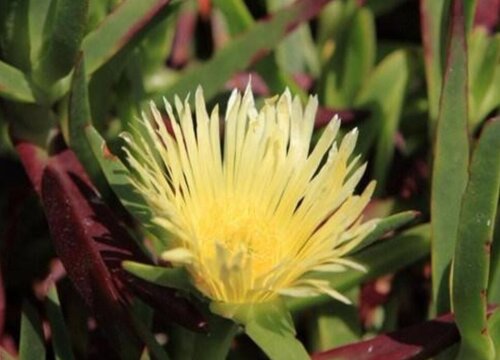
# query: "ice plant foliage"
[[257, 213]]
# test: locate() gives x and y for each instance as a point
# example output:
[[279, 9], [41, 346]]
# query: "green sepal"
[[268, 324], [176, 278]]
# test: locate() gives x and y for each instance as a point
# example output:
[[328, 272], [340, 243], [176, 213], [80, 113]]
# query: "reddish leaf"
[[416, 342], [92, 243], [420, 341], [487, 14]]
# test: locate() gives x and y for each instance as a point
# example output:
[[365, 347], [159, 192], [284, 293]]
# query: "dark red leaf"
[[416, 342], [92, 243], [420, 341], [487, 14]]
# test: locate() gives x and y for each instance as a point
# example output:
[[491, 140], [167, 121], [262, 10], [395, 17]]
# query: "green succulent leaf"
[[122, 29], [472, 253], [451, 160]]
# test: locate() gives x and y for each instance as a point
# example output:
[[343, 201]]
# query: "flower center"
[[243, 232]]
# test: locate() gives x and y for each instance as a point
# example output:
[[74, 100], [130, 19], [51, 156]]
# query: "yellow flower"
[[256, 215]]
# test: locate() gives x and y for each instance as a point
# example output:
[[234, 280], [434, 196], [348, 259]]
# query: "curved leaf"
[[472, 253], [420, 341]]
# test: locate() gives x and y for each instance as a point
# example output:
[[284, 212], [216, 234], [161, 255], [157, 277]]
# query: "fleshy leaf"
[[472, 252], [420, 341], [126, 24], [451, 160]]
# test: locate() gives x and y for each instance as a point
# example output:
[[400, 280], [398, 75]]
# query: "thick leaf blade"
[[472, 253], [126, 24], [451, 160], [75, 228], [14, 85]]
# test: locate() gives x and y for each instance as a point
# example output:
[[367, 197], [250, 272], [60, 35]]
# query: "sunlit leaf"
[[473, 247]]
